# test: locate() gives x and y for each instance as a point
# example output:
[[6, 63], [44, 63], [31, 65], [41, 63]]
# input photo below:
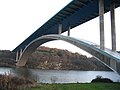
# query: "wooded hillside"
[[53, 58]]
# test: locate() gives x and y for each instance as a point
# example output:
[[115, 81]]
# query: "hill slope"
[[53, 58]]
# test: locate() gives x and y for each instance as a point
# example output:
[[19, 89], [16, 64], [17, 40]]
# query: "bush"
[[8, 82], [100, 79]]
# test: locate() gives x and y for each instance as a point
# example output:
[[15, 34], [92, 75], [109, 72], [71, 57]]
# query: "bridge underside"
[[104, 55], [75, 13]]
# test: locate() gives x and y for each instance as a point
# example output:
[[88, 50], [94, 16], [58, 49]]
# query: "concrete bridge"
[[104, 55], [75, 13]]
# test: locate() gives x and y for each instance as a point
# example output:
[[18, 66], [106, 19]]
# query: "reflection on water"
[[60, 76]]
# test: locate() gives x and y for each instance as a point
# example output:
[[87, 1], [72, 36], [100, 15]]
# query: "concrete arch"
[[89, 47]]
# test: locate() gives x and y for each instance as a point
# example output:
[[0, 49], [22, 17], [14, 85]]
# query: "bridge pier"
[[69, 30], [59, 28], [113, 31], [113, 34], [112, 63], [101, 21]]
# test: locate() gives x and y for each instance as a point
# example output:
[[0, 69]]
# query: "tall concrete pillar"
[[113, 34], [69, 30], [60, 29], [101, 17]]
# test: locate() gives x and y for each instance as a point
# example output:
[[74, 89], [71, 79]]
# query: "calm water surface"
[[60, 76]]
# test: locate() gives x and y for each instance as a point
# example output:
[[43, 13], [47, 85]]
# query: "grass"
[[85, 86]]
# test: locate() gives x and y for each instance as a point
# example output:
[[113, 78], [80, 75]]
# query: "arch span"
[[89, 47]]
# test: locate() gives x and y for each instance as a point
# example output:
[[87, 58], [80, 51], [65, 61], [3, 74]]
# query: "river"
[[60, 76]]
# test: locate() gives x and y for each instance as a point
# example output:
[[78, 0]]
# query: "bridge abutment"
[[19, 54]]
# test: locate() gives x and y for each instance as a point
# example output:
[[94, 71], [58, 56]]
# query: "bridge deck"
[[75, 13]]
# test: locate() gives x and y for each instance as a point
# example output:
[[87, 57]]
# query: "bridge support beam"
[[69, 30], [19, 54], [113, 34], [101, 17], [60, 29]]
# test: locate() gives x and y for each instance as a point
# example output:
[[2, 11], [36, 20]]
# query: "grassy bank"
[[90, 86]]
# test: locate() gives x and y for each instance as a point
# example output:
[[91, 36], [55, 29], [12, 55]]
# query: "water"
[[60, 76]]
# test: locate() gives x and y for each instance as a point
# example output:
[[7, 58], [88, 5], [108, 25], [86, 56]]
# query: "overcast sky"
[[20, 18]]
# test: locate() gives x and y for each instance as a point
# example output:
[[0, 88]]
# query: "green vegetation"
[[85, 86], [8, 82], [101, 79]]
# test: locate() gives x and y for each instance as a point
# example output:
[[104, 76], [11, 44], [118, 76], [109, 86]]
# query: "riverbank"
[[59, 76], [79, 86], [10, 82]]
